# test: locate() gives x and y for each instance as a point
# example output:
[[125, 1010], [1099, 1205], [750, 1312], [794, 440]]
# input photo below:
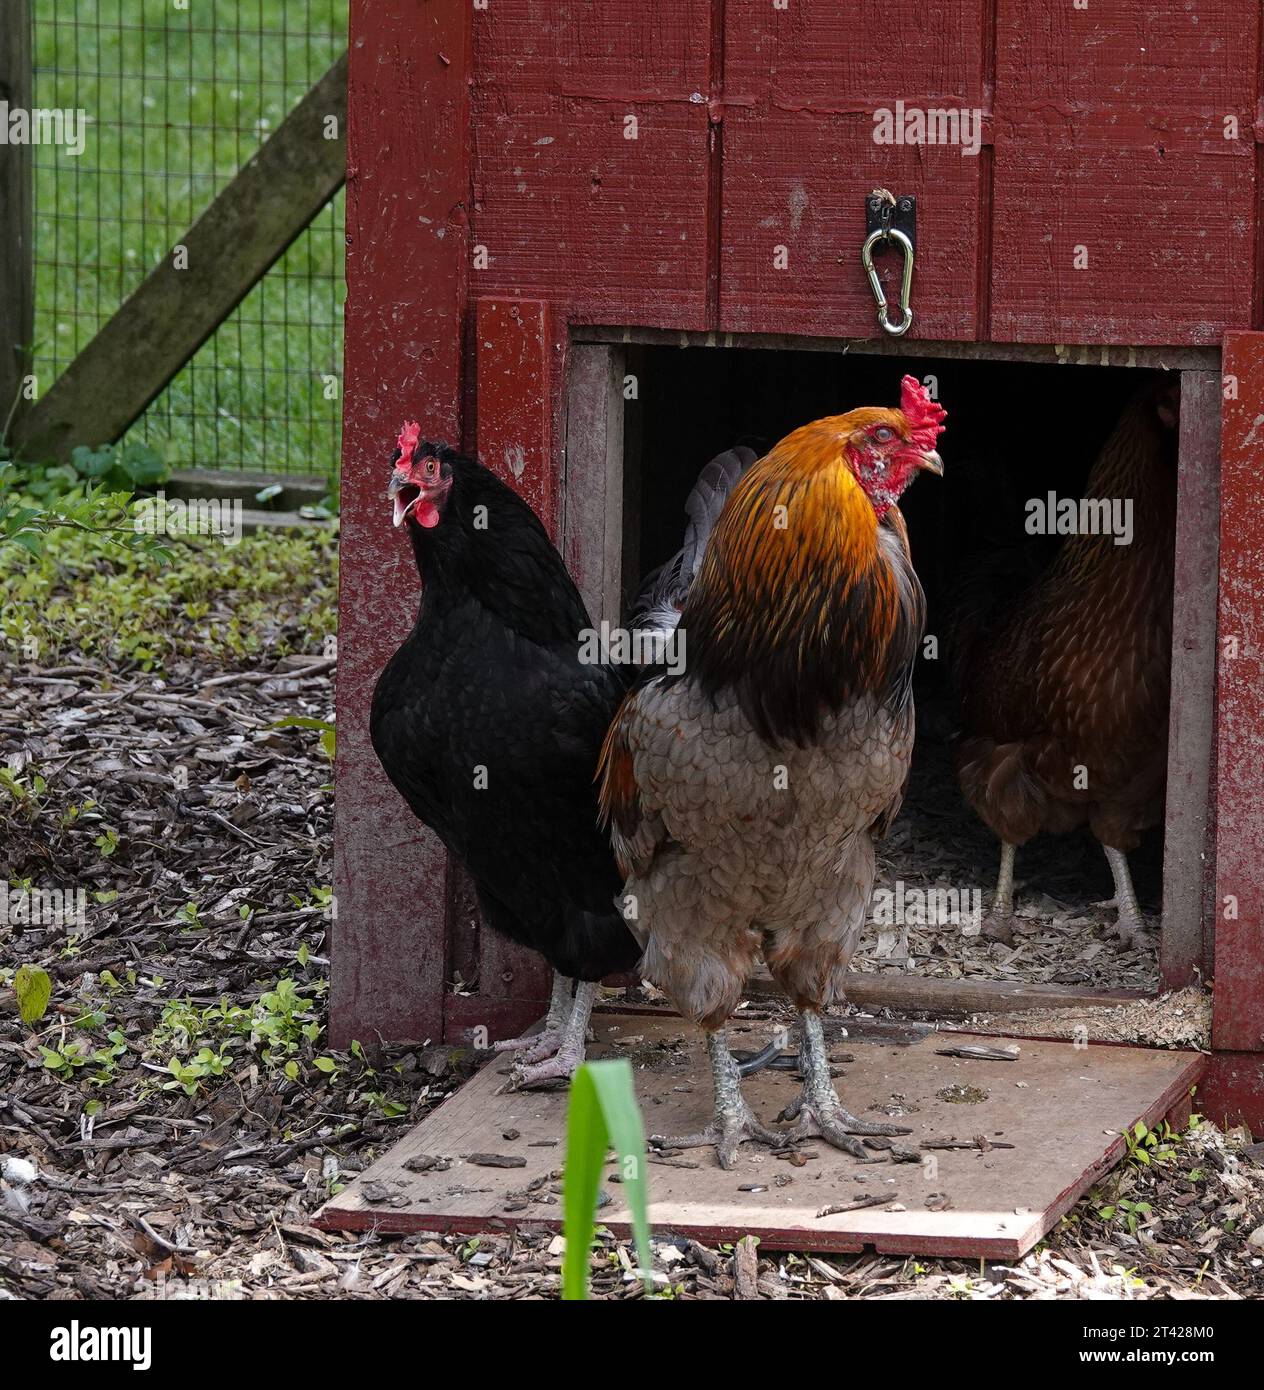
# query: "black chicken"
[[489, 723]]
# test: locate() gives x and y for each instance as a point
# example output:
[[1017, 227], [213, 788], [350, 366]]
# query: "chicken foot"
[[569, 1053], [537, 1046], [819, 1112], [734, 1120], [1129, 928]]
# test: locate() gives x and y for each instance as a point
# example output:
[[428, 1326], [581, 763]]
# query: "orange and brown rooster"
[[744, 793], [1064, 689]]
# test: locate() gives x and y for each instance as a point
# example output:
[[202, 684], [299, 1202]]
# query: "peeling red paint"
[[1238, 1017]]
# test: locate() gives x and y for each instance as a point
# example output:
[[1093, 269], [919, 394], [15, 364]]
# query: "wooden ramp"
[[1039, 1130]]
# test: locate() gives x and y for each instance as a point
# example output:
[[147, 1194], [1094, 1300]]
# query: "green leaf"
[[602, 1108], [33, 989], [30, 540], [291, 1070], [325, 1064]]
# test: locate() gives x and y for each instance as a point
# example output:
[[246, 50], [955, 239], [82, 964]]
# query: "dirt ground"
[[171, 1124]]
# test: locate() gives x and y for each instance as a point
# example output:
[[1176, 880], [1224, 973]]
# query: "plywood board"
[[1062, 1107]]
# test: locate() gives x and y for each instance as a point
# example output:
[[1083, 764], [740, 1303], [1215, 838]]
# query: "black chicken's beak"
[[932, 463], [402, 492]]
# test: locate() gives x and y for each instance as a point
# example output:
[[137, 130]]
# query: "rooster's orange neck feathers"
[[796, 606]]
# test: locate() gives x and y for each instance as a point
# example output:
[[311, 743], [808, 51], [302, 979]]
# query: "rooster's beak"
[[932, 463]]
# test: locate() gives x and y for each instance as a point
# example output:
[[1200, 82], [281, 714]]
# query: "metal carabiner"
[[896, 330]]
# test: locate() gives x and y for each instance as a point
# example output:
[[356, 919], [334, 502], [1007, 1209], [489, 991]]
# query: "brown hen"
[[1064, 690]]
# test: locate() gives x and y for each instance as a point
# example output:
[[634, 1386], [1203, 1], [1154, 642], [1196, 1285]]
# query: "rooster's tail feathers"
[[664, 591]]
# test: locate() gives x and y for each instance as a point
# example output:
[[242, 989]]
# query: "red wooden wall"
[[495, 197]]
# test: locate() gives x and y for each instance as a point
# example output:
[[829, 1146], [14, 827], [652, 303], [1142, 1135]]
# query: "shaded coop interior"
[[1016, 430]]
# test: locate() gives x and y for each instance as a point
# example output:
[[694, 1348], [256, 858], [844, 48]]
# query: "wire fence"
[[177, 99]]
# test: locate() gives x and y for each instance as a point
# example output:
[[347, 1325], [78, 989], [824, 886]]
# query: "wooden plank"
[[513, 352], [567, 208], [1232, 1091], [1000, 1201], [801, 90], [600, 48], [1169, 358], [566, 205], [1191, 727], [17, 268], [407, 259], [514, 342], [592, 500], [966, 996], [1127, 131], [1238, 1017], [192, 291]]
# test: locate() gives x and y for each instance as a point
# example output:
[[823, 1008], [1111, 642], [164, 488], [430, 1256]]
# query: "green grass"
[[177, 100], [273, 595]]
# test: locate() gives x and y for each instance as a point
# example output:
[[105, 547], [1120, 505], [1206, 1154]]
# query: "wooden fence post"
[[17, 272]]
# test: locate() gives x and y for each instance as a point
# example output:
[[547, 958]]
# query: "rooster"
[[1064, 689], [744, 793], [489, 723]]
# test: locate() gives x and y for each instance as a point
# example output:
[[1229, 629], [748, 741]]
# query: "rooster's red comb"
[[407, 441], [924, 415]]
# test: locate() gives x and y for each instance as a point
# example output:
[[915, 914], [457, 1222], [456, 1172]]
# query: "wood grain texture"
[[1110, 134], [799, 180], [801, 87], [569, 208], [1187, 875], [513, 350], [1232, 1091], [854, 57], [17, 263], [592, 501], [407, 203], [1238, 1001], [1001, 1201]]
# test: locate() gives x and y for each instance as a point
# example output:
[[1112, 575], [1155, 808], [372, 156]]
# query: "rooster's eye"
[[882, 434]]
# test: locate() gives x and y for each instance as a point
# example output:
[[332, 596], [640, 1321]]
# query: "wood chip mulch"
[[115, 1182]]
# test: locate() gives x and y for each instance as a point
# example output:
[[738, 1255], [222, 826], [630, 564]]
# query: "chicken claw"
[[998, 926], [734, 1121], [536, 1046], [819, 1112], [561, 1061]]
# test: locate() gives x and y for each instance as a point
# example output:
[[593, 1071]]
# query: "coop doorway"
[[1023, 425]]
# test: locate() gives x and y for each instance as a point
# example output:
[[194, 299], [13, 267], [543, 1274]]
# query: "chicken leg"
[[999, 925], [1129, 926], [818, 1110], [734, 1120], [536, 1046], [568, 1056]]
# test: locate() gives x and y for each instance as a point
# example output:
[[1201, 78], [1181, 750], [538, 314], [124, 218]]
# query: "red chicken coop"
[[594, 243]]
